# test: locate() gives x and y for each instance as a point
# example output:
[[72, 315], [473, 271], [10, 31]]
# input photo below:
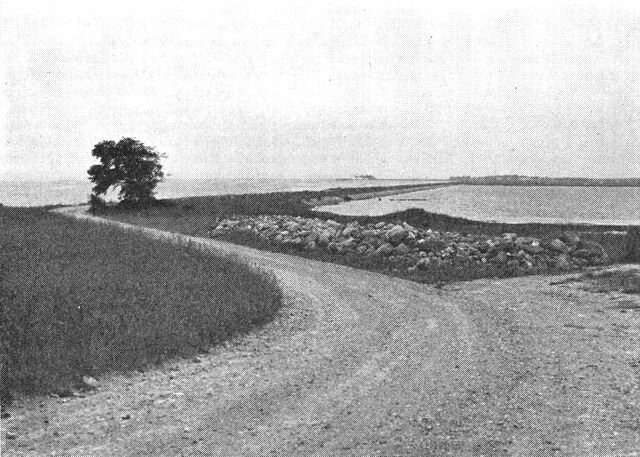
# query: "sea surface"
[[38, 193], [593, 205]]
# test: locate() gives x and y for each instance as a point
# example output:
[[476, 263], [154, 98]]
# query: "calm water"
[[596, 205], [36, 193]]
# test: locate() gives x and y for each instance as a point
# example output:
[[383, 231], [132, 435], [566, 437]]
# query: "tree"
[[129, 165]]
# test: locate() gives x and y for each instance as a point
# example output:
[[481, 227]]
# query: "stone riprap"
[[417, 248]]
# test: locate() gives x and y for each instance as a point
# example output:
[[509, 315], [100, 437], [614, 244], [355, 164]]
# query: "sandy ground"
[[363, 364]]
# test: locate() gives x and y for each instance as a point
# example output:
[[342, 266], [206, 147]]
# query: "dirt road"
[[360, 363]]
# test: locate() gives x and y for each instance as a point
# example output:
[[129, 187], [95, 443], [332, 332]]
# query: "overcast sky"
[[284, 92]]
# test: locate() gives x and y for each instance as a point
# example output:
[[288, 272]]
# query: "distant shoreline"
[[456, 183], [538, 181]]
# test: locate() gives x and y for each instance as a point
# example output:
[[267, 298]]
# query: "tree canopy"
[[129, 165]]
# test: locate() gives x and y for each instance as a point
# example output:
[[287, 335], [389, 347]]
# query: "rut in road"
[[360, 363]]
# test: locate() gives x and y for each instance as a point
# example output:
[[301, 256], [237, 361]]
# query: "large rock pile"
[[415, 248]]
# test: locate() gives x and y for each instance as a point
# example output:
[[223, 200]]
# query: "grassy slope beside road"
[[81, 299]]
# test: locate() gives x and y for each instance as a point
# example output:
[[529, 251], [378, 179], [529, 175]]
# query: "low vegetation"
[[79, 299], [517, 180], [200, 215], [626, 282]]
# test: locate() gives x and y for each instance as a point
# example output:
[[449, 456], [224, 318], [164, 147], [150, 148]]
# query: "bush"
[[96, 203]]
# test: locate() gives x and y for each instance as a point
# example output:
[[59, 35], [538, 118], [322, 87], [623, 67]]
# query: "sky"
[[236, 89]]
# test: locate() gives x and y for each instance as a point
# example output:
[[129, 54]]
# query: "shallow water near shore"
[[511, 204]]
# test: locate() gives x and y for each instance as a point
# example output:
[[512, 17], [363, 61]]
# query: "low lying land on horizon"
[[518, 180]]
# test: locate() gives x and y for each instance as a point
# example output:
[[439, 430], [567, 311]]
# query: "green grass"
[[83, 299], [626, 282]]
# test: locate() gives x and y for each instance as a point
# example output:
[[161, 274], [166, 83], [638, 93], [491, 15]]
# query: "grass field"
[[81, 299]]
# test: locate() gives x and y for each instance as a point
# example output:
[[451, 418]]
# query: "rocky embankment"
[[415, 248]]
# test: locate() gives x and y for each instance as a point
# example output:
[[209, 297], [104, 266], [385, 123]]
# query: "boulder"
[[570, 238], [562, 262], [348, 244], [362, 249], [494, 250], [525, 240], [532, 249], [501, 257], [408, 227], [557, 246], [396, 234], [292, 226], [333, 224], [324, 238], [402, 249], [483, 246], [385, 249], [431, 245], [312, 246], [380, 225], [348, 231], [589, 249], [90, 382], [373, 241]]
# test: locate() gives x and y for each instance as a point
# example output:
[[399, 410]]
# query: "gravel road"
[[362, 364]]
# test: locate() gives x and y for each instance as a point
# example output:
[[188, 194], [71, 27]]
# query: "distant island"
[[518, 180], [365, 177]]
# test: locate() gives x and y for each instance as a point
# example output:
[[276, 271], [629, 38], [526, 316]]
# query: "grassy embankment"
[[79, 299], [195, 216], [625, 282]]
